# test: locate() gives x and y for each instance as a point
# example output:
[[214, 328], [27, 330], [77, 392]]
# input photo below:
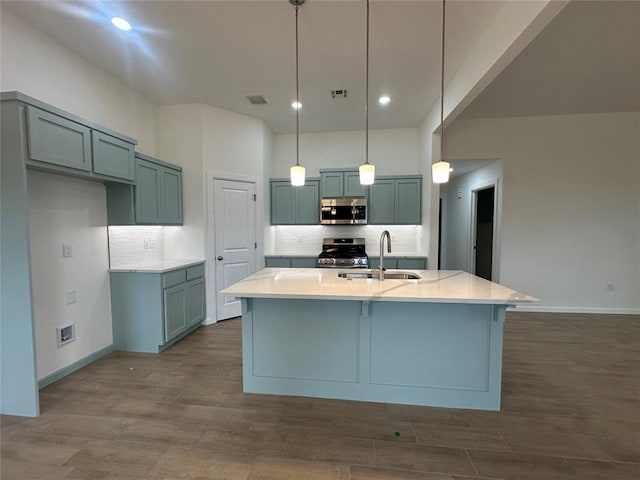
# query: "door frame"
[[497, 215], [210, 247]]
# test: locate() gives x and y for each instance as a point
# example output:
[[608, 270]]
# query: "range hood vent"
[[257, 99]]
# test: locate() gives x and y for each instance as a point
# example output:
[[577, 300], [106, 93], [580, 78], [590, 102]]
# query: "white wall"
[[456, 224], [34, 63], [392, 151], [210, 142], [64, 210], [571, 205]]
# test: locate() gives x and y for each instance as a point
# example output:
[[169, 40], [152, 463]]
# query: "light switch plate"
[[67, 250], [71, 297]]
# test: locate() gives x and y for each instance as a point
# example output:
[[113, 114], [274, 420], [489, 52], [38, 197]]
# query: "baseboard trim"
[[598, 310], [209, 321], [77, 365]]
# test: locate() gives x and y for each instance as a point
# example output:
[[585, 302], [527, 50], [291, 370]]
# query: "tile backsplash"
[[135, 246], [307, 239]]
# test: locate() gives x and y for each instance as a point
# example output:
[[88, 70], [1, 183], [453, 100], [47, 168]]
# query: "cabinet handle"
[[220, 258]]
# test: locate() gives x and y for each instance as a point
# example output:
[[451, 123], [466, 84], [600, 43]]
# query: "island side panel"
[[432, 354]]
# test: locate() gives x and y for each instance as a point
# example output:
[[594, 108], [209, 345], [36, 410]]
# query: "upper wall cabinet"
[[295, 205], [337, 183], [396, 201], [156, 198], [62, 143]]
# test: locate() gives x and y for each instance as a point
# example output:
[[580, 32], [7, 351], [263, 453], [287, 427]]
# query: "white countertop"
[[440, 286], [161, 267]]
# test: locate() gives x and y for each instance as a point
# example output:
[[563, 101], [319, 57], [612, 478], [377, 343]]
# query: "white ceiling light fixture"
[[367, 171], [440, 170], [121, 23], [384, 100], [297, 171]]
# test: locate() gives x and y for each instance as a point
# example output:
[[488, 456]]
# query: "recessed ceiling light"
[[296, 105], [121, 23], [384, 100]]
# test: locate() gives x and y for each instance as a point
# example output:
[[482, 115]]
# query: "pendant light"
[[297, 171], [440, 170], [367, 171]]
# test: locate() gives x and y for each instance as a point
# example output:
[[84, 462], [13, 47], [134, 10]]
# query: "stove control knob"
[[353, 261], [333, 261]]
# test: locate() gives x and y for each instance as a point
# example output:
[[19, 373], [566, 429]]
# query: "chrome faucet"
[[381, 266]]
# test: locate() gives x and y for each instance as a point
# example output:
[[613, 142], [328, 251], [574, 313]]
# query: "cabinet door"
[[382, 202], [417, 263], [171, 196], [304, 262], [352, 186], [308, 203], [408, 201], [277, 262], [112, 156], [56, 140], [282, 203], [175, 311], [147, 192], [332, 184], [196, 307]]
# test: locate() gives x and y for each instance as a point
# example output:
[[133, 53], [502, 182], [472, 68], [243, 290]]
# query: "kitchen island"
[[433, 341]]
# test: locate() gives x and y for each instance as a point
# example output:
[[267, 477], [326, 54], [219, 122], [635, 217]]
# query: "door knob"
[[220, 258]]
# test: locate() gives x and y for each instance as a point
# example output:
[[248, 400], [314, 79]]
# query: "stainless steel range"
[[343, 253]]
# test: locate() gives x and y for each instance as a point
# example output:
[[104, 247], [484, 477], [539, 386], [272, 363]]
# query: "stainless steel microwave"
[[343, 211]]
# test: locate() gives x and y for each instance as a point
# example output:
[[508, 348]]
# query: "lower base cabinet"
[[154, 310]]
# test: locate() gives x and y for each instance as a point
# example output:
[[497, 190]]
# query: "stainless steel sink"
[[389, 274]]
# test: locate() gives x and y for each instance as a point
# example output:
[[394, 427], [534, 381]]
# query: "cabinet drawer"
[[175, 277], [195, 271]]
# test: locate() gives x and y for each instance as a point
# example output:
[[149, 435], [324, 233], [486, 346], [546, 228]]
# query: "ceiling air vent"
[[339, 93], [257, 99]]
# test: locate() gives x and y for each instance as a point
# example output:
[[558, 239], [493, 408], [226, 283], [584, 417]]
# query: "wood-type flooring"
[[570, 411]]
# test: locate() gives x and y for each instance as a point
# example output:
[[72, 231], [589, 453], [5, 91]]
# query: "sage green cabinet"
[[56, 141], [402, 263], [151, 311], [396, 201], [295, 205], [112, 157], [341, 183], [290, 262], [156, 198]]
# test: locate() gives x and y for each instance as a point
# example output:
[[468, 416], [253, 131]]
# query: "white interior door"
[[235, 240]]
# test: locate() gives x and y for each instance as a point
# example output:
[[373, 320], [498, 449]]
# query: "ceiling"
[[217, 52], [587, 60]]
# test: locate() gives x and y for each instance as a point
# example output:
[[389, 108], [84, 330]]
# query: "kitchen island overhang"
[[436, 341]]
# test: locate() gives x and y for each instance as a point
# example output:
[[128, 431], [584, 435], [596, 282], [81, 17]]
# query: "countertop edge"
[[162, 267]]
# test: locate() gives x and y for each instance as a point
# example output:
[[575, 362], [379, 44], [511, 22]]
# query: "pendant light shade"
[[367, 171], [367, 174], [440, 170], [297, 172], [297, 175]]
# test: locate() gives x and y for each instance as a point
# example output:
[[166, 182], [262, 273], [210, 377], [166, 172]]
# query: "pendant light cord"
[[297, 98], [366, 131], [442, 88]]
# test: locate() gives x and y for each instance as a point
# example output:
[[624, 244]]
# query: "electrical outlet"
[[70, 296], [147, 244], [610, 287], [67, 250], [152, 243]]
